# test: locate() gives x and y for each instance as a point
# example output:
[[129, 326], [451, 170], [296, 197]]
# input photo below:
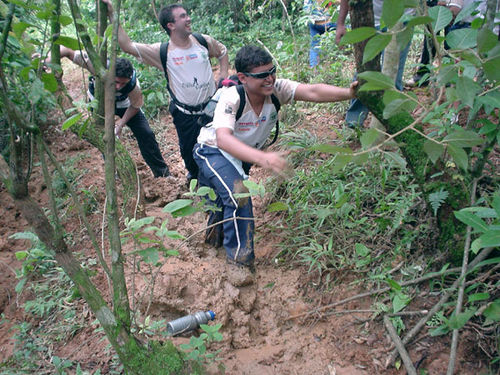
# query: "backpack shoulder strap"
[[277, 105], [163, 58], [201, 39], [241, 93]]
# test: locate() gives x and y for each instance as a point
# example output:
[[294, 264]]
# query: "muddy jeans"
[[218, 173]]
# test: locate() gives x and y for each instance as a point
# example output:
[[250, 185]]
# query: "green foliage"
[[197, 347], [437, 199]]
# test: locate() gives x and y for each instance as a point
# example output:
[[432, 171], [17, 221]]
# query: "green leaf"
[[478, 297], [492, 312], [331, 149], [176, 205], [463, 138], [397, 158], [149, 255], [496, 204], [368, 138], [174, 235], [277, 206], [467, 90], [459, 156], [399, 302], [462, 38], [486, 40], [458, 321], [66, 41], [447, 74], [20, 285], [362, 250], [491, 69], [398, 106], [433, 150], [419, 20], [49, 82], [469, 218], [392, 10], [19, 28], [357, 35], [491, 238], [393, 285], [441, 17], [377, 79], [71, 121], [65, 20], [21, 255], [375, 45]]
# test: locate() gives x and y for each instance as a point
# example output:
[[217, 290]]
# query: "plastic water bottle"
[[189, 322]]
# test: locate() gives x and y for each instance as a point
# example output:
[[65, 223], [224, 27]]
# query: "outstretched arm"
[[224, 66], [124, 40], [321, 92]]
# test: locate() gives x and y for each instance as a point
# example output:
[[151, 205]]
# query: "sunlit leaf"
[[400, 301], [331, 149], [176, 205], [67, 41], [377, 79], [19, 28], [277, 206], [375, 45], [49, 82], [357, 35], [478, 297], [71, 121], [458, 321], [490, 239]]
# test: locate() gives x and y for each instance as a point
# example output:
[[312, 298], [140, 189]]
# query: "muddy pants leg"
[[218, 173]]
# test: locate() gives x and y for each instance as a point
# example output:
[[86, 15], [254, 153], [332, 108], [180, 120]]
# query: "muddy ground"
[[259, 336]]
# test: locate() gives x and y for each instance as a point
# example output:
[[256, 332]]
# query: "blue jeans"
[[218, 173], [357, 111], [316, 31]]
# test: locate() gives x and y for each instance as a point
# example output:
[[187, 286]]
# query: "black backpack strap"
[[241, 93], [163, 58], [277, 105], [201, 39]]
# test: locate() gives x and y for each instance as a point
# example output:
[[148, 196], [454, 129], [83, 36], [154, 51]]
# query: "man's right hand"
[[274, 161]]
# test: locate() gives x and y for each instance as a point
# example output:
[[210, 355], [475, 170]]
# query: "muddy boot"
[[240, 275], [215, 235]]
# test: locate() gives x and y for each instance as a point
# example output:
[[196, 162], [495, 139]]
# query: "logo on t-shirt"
[[192, 56]]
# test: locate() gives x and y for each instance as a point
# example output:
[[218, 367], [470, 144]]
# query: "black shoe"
[[215, 235], [165, 173]]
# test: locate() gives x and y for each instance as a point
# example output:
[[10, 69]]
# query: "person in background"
[[229, 146], [357, 112], [190, 80], [319, 23], [128, 103]]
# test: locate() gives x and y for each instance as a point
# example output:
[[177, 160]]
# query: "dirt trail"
[[258, 338]]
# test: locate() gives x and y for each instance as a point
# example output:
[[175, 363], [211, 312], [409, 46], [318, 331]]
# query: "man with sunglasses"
[[190, 79], [228, 147]]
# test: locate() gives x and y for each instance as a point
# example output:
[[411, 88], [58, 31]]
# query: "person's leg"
[[222, 176], [314, 49], [401, 67], [146, 140], [188, 128]]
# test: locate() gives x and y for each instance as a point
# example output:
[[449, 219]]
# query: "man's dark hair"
[[166, 15], [124, 68], [249, 57]]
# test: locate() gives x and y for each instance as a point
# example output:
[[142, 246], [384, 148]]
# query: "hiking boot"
[[240, 275]]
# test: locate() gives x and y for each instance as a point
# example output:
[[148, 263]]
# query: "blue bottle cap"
[[212, 314]]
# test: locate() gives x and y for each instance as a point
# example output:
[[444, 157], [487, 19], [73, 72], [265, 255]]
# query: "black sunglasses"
[[262, 75]]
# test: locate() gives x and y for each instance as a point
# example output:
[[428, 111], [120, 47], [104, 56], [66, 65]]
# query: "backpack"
[[163, 58], [209, 109]]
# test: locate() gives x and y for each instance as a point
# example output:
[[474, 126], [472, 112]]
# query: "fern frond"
[[437, 199]]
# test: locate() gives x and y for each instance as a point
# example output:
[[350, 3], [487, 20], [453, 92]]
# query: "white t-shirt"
[[189, 71], [251, 128]]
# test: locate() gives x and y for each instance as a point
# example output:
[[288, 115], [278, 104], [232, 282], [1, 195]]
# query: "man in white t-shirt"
[[228, 146], [190, 78]]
